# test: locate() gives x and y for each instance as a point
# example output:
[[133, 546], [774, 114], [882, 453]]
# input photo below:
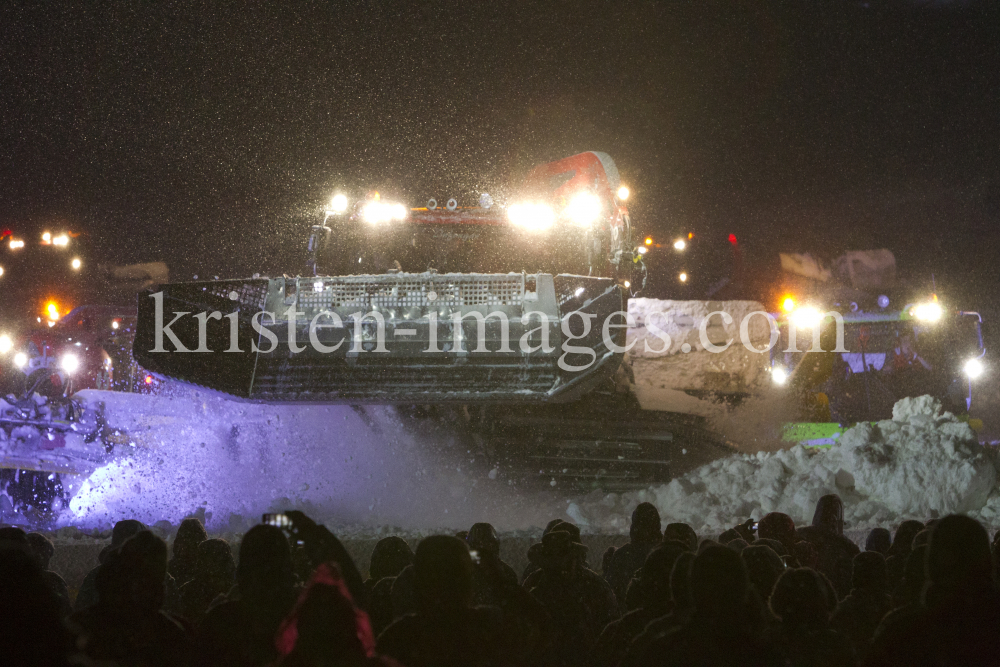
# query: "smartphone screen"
[[277, 520]]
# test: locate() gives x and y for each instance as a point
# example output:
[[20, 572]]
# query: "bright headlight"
[[779, 375], [584, 208], [928, 312], [806, 317], [973, 368], [20, 360], [376, 212], [531, 216], [69, 363], [338, 204], [680, 244], [5, 344]]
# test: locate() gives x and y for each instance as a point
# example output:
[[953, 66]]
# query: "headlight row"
[[69, 362], [376, 212], [583, 210]]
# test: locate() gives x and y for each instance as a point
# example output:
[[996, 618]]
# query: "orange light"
[[649, 240], [788, 304], [690, 235], [148, 379], [52, 310]]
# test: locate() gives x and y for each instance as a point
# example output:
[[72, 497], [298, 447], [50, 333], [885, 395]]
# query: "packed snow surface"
[[920, 464], [198, 453], [677, 346]]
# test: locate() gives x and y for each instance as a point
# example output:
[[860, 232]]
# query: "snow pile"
[[922, 463]]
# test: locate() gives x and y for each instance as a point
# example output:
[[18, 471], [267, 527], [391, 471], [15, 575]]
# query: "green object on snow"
[[812, 434]]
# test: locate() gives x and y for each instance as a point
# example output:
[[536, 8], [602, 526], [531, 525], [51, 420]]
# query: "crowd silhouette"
[[768, 593]]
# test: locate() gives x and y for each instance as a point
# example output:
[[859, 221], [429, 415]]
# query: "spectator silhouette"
[[325, 629], [902, 543], [644, 534], [446, 629], [241, 630], [404, 597], [389, 557], [530, 568], [859, 613], [578, 600], [835, 552], [493, 579], [995, 549], [31, 630], [764, 566], [43, 550], [88, 595], [724, 628], [682, 606], [495, 584], [780, 527], [801, 600], [957, 620], [127, 625], [775, 546], [214, 576], [910, 590], [878, 540], [184, 564], [683, 533], [652, 588]]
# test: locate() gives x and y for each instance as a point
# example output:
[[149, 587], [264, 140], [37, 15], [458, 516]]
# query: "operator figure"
[[904, 357]]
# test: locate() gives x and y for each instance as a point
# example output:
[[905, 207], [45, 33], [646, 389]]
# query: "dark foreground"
[[764, 594]]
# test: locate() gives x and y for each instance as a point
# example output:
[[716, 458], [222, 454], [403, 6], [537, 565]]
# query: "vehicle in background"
[[886, 342]]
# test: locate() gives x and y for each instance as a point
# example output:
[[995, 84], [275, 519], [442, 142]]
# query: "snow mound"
[[922, 463]]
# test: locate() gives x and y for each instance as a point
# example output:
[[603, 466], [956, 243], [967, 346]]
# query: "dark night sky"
[[209, 134]]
